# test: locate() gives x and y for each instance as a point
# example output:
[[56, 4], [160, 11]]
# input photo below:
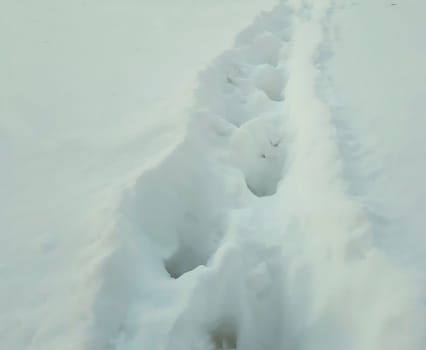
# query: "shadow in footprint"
[[183, 261], [224, 336], [271, 81], [258, 149]]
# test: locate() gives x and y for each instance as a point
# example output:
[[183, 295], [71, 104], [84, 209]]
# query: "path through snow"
[[246, 236], [273, 224]]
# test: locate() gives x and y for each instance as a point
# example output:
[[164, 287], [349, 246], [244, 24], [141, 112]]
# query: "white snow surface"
[[205, 175]]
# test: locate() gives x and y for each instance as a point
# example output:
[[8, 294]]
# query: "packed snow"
[[211, 175]]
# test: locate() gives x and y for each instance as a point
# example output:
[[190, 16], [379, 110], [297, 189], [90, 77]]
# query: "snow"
[[212, 175], [91, 93], [389, 123]]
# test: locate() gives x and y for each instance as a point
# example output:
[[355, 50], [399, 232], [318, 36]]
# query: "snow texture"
[[270, 221]]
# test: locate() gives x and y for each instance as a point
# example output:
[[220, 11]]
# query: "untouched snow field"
[[209, 175]]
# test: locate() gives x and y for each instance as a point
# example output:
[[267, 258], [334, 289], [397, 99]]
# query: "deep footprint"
[[259, 152], [224, 336], [183, 261], [271, 81]]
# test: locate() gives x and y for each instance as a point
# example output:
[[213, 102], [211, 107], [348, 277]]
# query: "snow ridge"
[[246, 236]]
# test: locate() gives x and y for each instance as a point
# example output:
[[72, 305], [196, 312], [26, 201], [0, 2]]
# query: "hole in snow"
[[224, 336], [262, 179], [264, 49], [258, 149], [262, 190], [184, 260], [271, 81]]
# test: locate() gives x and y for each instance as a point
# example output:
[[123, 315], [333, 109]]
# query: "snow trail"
[[246, 236]]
